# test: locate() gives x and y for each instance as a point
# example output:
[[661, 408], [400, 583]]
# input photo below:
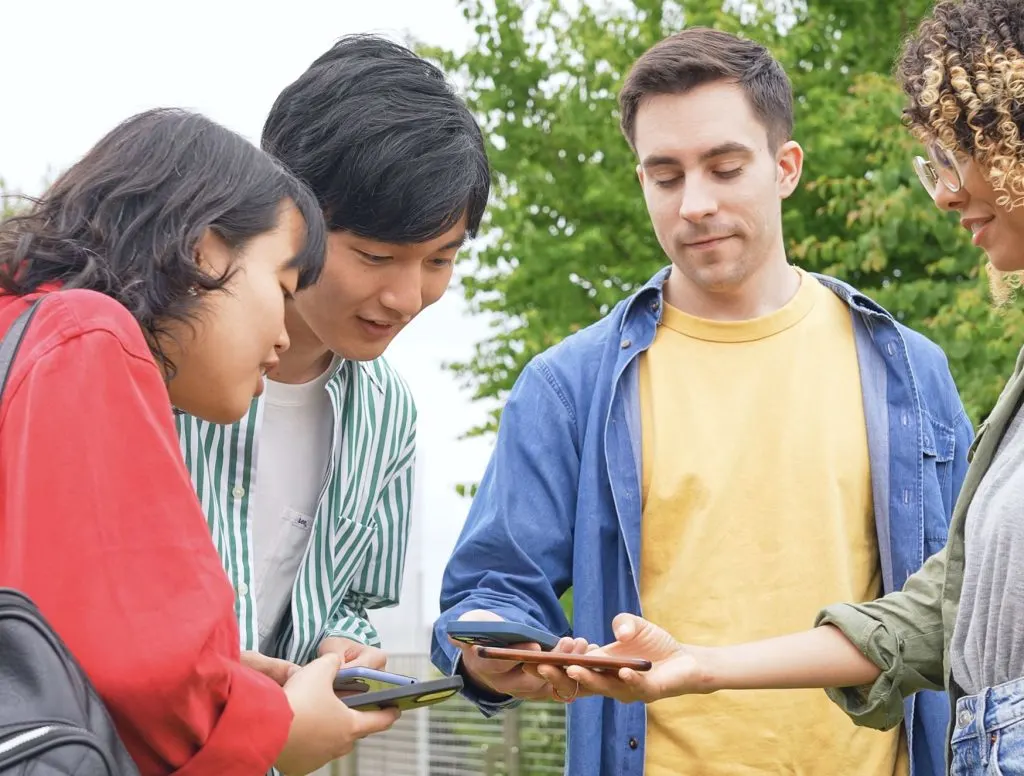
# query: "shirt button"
[[625, 344], [633, 743], [243, 589], [891, 348], [238, 491]]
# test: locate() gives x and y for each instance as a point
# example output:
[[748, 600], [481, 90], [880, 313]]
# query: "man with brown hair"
[[733, 447]]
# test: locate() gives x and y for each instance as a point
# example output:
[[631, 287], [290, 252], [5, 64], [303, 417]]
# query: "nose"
[[404, 294], [698, 201], [282, 343], [947, 200]]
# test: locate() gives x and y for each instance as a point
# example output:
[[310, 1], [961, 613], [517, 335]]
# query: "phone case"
[[407, 698], [368, 680], [485, 633]]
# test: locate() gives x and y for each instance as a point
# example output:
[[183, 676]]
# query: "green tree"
[[568, 233]]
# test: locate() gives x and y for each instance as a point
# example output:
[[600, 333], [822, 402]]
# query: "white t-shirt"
[[294, 451]]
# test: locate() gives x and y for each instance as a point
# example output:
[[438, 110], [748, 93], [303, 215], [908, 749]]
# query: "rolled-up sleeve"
[[902, 634]]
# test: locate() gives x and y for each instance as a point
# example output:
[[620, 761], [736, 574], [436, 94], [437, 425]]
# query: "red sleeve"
[[102, 529]]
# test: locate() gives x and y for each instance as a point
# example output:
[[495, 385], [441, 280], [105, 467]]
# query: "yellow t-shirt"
[[757, 512]]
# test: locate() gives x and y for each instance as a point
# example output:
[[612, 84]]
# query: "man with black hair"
[[308, 497]]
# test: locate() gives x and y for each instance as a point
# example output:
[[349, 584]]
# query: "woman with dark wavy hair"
[[162, 259], [958, 624]]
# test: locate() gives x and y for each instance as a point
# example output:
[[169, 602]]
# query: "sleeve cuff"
[[490, 703], [878, 705], [251, 732], [354, 629]]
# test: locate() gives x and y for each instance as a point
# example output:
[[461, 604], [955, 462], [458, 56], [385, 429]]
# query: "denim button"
[[633, 743], [891, 347], [625, 343], [964, 718]]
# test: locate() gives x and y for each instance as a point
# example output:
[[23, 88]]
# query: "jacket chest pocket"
[[939, 450]]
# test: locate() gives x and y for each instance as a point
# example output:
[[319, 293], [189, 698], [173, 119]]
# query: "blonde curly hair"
[[963, 73]]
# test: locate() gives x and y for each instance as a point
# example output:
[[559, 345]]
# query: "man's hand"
[[353, 653], [278, 670], [505, 677]]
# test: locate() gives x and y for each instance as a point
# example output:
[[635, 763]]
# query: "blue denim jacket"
[[560, 503]]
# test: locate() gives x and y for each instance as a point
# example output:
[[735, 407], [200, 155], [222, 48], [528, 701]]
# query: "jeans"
[[988, 739]]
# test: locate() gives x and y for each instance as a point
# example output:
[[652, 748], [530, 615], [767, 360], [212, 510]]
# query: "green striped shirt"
[[356, 553]]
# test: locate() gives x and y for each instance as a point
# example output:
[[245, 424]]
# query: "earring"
[[192, 291]]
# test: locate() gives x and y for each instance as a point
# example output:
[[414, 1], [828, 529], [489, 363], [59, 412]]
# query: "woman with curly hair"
[[958, 623]]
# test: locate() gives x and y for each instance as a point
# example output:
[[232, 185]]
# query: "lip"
[[375, 330], [978, 227], [708, 244], [265, 368]]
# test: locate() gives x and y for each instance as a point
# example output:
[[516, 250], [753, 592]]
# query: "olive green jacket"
[[907, 633]]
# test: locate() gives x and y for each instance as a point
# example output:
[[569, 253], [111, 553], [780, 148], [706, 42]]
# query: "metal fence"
[[454, 739]]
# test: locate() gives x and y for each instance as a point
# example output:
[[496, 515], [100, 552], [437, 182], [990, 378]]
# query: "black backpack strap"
[[12, 341]]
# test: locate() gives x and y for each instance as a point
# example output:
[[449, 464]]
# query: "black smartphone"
[[488, 633], [407, 697]]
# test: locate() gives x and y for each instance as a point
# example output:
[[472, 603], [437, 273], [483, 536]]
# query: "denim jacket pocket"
[[938, 450]]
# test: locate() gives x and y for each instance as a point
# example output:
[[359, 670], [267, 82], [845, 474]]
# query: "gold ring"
[[562, 698]]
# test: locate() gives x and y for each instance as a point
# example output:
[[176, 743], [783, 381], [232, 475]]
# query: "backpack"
[[52, 722]]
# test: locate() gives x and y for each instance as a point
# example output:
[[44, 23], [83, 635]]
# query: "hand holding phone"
[[504, 678], [563, 659], [323, 729]]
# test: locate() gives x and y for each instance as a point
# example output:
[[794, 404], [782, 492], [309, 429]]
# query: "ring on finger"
[[562, 698]]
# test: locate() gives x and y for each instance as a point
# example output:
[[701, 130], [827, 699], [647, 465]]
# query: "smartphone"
[[563, 659], [411, 696], [488, 633], [368, 680]]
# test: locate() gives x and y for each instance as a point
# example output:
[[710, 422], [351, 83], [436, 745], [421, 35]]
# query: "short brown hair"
[[700, 55]]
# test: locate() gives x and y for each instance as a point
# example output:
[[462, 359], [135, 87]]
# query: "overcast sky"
[[75, 68]]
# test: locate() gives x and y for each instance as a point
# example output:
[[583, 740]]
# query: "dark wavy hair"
[[125, 220], [380, 136]]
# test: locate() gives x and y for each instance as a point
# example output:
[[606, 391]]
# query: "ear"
[[790, 161], [640, 174], [211, 254]]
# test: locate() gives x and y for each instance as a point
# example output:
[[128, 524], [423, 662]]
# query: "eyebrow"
[[723, 149], [458, 242]]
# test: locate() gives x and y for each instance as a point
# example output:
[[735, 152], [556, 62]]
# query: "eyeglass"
[[939, 167]]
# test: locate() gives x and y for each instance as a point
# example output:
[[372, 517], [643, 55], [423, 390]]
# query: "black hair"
[[388, 148], [125, 219]]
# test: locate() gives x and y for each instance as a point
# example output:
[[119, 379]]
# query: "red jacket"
[[100, 526]]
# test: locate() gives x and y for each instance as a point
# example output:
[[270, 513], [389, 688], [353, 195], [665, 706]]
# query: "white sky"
[[74, 69]]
